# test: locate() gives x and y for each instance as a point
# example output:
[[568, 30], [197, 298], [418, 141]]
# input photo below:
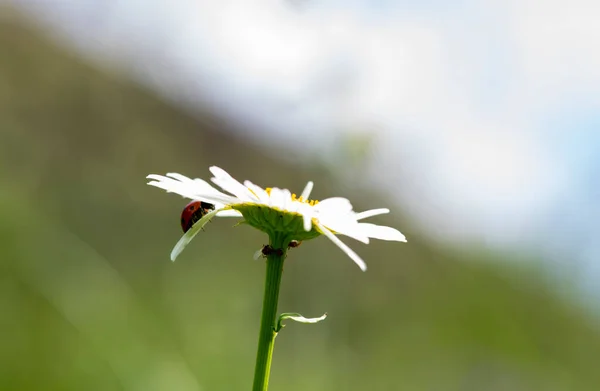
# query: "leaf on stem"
[[296, 317]]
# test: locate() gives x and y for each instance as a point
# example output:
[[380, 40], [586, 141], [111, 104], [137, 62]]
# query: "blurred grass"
[[89, 300]]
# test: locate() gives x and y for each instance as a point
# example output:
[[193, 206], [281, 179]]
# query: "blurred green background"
[[90, 301]]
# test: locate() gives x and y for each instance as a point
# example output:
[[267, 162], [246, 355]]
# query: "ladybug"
[[193, 212]]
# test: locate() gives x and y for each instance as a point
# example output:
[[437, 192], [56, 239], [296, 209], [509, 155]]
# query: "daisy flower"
[[278, 212]]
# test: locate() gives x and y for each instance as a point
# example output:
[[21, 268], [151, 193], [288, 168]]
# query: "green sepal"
[[276, 222]]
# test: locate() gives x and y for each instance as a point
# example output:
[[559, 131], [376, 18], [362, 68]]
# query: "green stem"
[[266, 340]]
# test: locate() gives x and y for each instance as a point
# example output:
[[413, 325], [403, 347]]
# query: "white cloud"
[[468, 87], [557, 42]]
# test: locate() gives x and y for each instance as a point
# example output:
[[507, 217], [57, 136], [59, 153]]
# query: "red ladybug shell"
[[193, 212]]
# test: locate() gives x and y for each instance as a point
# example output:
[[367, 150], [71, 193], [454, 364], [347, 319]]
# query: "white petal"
[[229, 213], [217, 199], [287, 199], [179, 177], [154, 176], [277, 198], [164, 179], [189, 235], [334, 205], [231, 185], [371, 213], [344, 248], [298, 207], [262, 195], [381, 232], [237, 189], [307, 190], [351, 231], [205, 187], [307, 212], [174, 187], [169, 185], [307, 220], [218, 172], [343, 223], [192, 189]]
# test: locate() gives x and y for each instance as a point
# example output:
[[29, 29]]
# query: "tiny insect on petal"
[[189, 235], [193, 212]]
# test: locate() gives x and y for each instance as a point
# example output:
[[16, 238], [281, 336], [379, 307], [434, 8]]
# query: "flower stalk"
[[287, 219], [266, 340]]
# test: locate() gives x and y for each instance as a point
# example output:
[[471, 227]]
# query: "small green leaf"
[[296, 317]]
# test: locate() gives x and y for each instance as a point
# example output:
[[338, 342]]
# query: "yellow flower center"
[[296, 198]]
